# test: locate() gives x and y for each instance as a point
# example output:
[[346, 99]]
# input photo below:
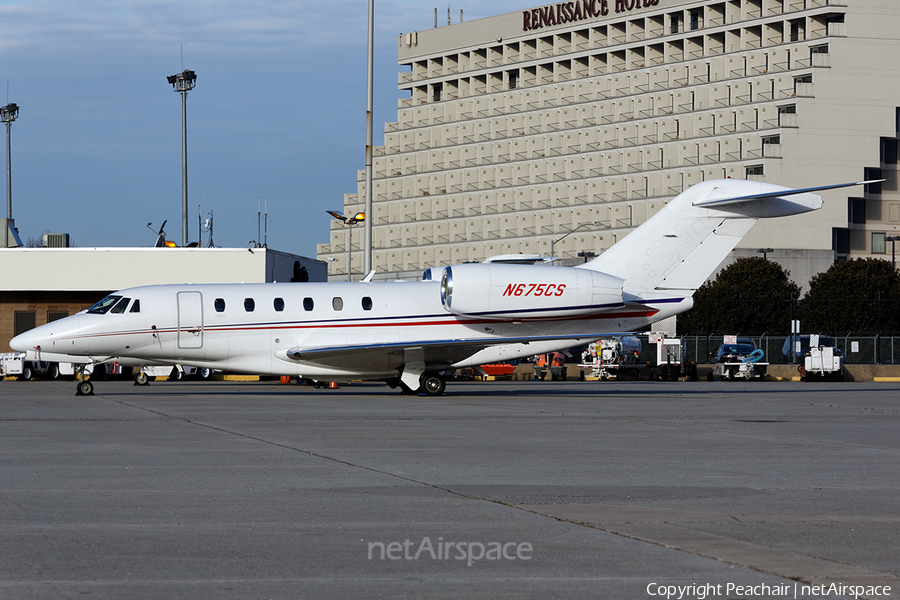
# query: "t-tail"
[[677, 249]]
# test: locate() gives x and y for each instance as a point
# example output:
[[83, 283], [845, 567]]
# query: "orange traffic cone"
[[332, 385]]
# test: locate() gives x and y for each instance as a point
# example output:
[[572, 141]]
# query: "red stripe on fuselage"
[[327, 325]]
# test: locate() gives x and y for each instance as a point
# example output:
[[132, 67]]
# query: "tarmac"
[[620, 490]]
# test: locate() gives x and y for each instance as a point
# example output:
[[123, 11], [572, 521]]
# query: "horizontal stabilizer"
[[718, 202]]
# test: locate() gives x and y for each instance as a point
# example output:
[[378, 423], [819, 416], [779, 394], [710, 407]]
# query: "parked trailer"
[[823, 362], [743, 369], [670, 363], [617, 356]]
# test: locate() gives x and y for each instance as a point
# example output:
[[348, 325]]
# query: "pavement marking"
[[670, 528]]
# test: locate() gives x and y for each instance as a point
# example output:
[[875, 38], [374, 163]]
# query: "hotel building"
[[562, 128]]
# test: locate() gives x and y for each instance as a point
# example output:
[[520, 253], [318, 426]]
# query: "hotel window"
[[24, 321], [878, 244], [872, 175], [857, 210]]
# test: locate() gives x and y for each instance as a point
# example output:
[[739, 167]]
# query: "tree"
[[749, 296], [860, 295]]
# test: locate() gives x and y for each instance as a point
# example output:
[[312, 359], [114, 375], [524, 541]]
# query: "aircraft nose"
[[23, 342], [42, 336]]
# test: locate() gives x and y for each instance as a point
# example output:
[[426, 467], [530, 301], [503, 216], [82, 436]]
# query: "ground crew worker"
[[540, 367]]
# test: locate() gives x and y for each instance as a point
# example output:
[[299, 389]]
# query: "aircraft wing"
[[437, 354]]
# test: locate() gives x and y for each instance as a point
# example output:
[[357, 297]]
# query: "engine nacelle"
[[527, 291]]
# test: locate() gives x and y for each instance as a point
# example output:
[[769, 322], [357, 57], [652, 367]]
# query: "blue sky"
[[278, 112]]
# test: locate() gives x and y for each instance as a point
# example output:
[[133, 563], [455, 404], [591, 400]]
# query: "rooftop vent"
[[55, 240]]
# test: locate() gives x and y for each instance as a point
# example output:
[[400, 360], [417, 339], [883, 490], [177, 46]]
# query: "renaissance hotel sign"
[[570, 12]]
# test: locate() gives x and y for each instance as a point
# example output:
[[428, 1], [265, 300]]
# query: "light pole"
[[367, 230], [8, 114], [764, 252], [350, 222], [183, 83], [554, 242], [892, 239]]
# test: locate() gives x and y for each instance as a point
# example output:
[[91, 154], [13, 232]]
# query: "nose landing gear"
[[84, 387]]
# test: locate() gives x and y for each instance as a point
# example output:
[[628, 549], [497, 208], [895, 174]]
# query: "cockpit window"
[[136, 307], [120, 306], [102, 307]]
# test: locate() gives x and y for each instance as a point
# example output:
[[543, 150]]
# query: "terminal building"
[[558, 129], [40, 285]]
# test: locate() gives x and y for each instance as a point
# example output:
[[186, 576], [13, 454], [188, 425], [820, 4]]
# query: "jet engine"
[[527, 292]]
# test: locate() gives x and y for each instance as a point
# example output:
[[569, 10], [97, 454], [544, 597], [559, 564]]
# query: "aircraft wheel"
[[27, 374], [204, 372], [433, 384], [85, 388], [141, 379]]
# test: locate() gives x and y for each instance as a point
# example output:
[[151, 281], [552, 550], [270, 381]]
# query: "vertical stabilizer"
[[683, 244]]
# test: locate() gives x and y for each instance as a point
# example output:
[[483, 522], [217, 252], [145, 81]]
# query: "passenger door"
[[190, 320]]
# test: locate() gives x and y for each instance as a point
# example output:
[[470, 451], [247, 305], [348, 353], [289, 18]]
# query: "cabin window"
[[120, 306], [219, 304], [366, 303], [136, 307], [279, 304], [249, 304], [102, 307], [337, 303], [308, 304]]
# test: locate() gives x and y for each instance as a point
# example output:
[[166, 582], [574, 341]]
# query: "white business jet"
[[408, 333]]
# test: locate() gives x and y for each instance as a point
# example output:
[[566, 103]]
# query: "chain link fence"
[[858, 350]]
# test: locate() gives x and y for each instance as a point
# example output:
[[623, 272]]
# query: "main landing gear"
[[430, 384], [433, 384]]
